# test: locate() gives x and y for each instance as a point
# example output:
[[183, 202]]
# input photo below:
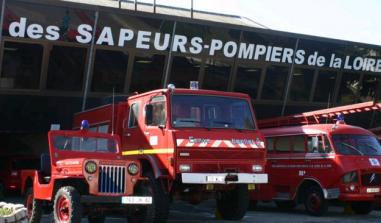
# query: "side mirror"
[[149, 115]]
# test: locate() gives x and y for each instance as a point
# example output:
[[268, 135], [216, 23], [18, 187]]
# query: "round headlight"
[[133, 169], [91, 167]]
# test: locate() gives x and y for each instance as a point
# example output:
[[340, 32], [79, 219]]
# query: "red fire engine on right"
[[313, 163]]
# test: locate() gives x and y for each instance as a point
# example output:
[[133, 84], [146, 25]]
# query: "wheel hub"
[[63, 209]]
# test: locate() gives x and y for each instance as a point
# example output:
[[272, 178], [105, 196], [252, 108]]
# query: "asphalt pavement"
[[264, 213]]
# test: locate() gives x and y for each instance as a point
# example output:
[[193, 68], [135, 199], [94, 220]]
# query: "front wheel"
[[158, 211], [233, 204], [67, 205], [314, 202], [362, 207], [33, 206]]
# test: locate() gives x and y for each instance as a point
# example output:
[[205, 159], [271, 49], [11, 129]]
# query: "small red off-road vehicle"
[[84, 174]]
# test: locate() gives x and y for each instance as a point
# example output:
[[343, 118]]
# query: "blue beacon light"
[[85, 125]]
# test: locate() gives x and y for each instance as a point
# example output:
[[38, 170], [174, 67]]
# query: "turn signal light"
[[257, 168], [184, 168]]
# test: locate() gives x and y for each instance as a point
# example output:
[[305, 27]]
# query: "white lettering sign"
[[195, 45]]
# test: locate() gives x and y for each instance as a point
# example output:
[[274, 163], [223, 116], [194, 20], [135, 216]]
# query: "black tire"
[[67, 205], [33, 206], [100, 218], [253, 205], [159, 210], [362, 207], [314, 201], [233, 204], [285, 205]]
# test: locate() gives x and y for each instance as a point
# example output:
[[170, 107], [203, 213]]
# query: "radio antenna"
[[113, 111]]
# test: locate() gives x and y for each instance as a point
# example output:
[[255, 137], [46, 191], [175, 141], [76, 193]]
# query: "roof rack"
[[318, 116]]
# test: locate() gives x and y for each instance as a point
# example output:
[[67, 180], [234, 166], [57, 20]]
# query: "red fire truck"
[[13, 169], [84, 173], [313, 163], [193, 145]]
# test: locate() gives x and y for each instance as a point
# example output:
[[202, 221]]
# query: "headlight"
[[184, 168], [133, 169], [257, 168], [350, 177], [91, 167]]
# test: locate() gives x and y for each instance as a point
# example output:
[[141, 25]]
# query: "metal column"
[[91, 61]]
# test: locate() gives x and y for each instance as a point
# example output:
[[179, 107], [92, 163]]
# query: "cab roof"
[[316, 129], [191, 91]]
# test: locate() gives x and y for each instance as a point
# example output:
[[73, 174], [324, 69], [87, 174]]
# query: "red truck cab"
[[195, 144], [84, 174]]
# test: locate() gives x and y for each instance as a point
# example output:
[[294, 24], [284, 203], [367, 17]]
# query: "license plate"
[[372, 190], [215, 179], [136, 200]]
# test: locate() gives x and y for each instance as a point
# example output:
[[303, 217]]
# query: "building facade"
[[59, 57]]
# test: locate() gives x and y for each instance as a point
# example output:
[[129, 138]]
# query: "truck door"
[[319, 159], [156, 125], [133, 132]]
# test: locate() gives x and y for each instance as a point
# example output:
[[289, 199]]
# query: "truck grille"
[[112, 179], [371, 179]]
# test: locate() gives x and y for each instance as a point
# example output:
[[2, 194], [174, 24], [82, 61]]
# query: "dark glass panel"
[[21, 66], [184, 70], [325, 86], [275, 83], [217, 75], [135, 23], [66, 19], [247, 80], [147, 73], [191, 31], [66, 68], [109, 71], [301, 84], [267, 41], [349, 88], [369, 86]]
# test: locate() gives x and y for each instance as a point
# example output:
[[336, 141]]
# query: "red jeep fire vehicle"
[[193, 145], [85, 174], [311, 163]]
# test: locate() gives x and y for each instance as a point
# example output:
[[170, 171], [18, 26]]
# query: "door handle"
[[127, 134]]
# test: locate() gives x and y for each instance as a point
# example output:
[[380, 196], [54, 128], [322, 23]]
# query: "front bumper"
[[224, 178], [91, 199]]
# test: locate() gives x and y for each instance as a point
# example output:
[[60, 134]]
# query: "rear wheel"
[[362, 207], [67, 206], [158, 211], [33, 206], [314, 201], [286, 205], [233, 204]]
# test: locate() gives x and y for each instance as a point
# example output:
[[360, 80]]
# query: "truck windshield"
[[199, 111], [84, 144], [357, 145]]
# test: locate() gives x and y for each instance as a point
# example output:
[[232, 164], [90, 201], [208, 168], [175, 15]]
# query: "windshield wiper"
[[187, 120], [352, 147], [222, 122]]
